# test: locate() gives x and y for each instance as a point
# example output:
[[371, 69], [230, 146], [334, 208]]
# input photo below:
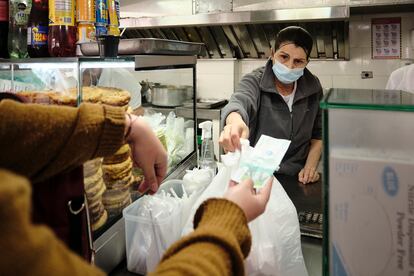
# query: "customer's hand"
[[243, 194], [147, 153], [234, 129], [308, 175]]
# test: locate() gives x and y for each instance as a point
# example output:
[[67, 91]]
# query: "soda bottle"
[[4, 28], [18, 16], [113, 12], [62, 28], [85, 11], [86, 32], [85, 16], [37, 29], [102, 19]]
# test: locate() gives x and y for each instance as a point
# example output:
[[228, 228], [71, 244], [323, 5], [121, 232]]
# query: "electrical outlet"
[[366, 75]]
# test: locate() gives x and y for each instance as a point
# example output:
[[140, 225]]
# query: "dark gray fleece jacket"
[[265, 112]]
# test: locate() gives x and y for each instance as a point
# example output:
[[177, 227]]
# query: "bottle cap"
[[206, 129]]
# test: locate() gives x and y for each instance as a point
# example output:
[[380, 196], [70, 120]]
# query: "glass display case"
[[368, 187], [149, 85]]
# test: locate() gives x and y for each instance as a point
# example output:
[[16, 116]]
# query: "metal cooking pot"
[[189, 91], [168, 95]]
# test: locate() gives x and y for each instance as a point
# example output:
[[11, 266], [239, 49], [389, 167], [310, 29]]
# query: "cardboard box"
[[371, 216]]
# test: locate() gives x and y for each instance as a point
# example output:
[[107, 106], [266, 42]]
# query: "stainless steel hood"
[[251, 17], [248, 34]]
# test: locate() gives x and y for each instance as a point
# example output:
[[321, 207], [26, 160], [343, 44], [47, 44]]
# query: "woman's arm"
[[40, 141], [236, 115], [309, 173], [245, 99], [30, 249]]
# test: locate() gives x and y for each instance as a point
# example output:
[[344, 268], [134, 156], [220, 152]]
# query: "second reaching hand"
[[147, 152]]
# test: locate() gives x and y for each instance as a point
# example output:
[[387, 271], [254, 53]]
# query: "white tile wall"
[[215, 76]]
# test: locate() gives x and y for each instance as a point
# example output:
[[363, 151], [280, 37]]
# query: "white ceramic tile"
[[237, 71], [326, 81], [248, 66], [245, 67], [217, 66], [215, 85], [406, 62], [327, 67], [356, 54], [380, 67], [366, 53], [374, 83], [345, 82], [344, 74], [358, 83]]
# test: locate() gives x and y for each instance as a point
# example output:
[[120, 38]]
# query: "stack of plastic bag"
[[172, 133], [276, 244], [153, 223]]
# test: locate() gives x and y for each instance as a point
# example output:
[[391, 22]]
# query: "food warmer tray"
[[148, 46]]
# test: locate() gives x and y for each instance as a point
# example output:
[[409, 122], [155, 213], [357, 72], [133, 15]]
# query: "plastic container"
[[175, 184], [146, 236]]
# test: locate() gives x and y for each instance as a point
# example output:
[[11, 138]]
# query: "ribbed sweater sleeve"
[[40, 141], [28, 249], [218, 245]]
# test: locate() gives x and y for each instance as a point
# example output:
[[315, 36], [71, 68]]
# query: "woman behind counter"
[[281, 100]]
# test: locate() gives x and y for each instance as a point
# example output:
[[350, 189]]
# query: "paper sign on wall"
[[386, 38]]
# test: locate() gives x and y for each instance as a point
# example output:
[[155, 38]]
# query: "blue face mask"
[[285, 74]]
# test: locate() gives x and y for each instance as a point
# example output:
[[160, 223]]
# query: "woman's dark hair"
[[298, 36]]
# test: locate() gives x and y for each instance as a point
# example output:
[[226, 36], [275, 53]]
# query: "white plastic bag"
[[152, 224], [216, 189], [276, 244]]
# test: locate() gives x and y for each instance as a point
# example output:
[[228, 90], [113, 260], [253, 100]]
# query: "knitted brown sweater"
[[39, 141]]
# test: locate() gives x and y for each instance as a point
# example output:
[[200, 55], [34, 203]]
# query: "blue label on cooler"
[[37, 35], [101, 30], [101, 12]]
